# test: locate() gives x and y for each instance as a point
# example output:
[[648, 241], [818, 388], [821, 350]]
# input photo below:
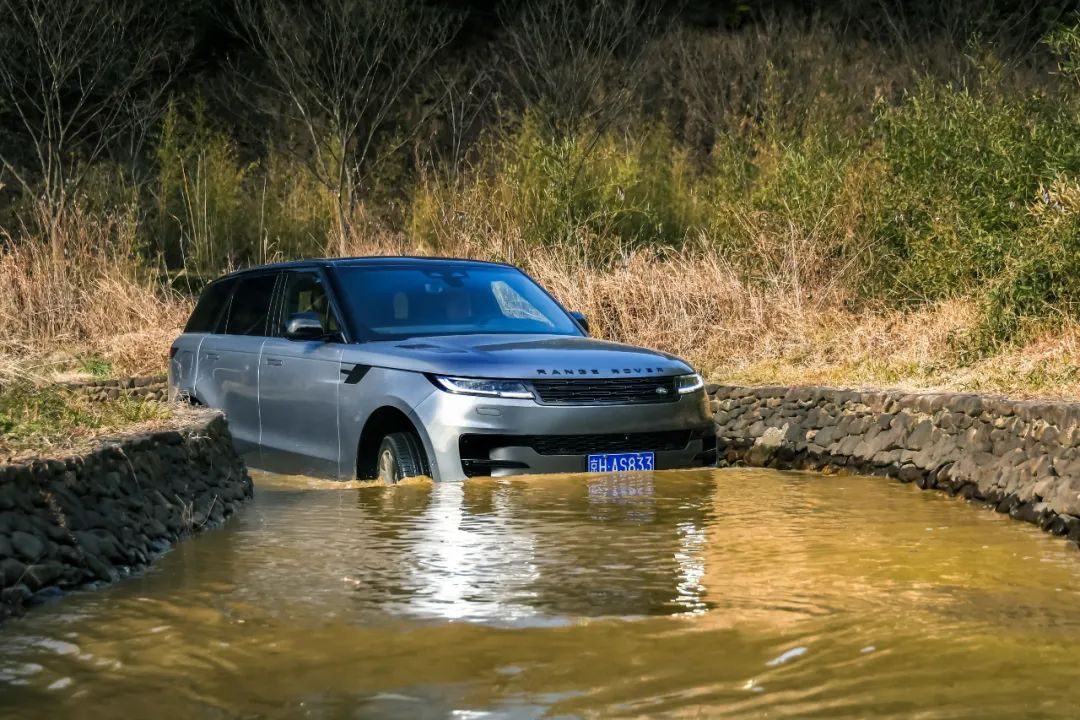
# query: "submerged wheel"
[[401, 456]]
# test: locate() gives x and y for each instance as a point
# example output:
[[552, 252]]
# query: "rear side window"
[[250, 307], [210, 311]]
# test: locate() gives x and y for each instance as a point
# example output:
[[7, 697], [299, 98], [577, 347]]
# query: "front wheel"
[[401, 456]]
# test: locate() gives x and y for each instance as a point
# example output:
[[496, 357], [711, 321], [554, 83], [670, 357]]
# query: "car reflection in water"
[[535, 551]]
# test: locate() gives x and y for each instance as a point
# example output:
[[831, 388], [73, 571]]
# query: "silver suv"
[[392, 367]]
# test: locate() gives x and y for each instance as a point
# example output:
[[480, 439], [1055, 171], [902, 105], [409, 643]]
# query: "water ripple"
[[712, 594]]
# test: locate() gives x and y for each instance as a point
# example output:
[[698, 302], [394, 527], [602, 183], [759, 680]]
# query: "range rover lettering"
[[384, 368]]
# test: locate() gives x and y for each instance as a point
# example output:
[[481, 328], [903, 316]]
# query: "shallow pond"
[[684, 594]]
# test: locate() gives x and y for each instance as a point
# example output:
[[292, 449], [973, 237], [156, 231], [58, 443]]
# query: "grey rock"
[[170, 437], [1048, 435], [70, 555], [42, 575], [967, 404], [15, 596], [887, 440], [28, 547], [887, 458], [101, 569], [15, 520], [920, 435], [902, 421], [909, 473], [1026, 512], [847, 445], [825, 436], [11, 572]]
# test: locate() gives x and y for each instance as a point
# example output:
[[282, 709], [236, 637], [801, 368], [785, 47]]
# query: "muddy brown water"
[[729, 593]]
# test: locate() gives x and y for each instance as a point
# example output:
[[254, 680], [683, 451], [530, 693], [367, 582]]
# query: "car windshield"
[[394, 303]]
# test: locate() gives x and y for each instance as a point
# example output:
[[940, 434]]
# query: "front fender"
[[378, 388]]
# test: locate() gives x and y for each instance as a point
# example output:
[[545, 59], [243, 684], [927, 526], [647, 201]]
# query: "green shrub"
[[96, 366], [203, 214], [215, 211], [619, 191], [794, 209], [964, 167], [1041, 282]]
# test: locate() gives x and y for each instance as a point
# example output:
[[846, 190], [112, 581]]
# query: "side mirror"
[[304, 326], [581, 320]]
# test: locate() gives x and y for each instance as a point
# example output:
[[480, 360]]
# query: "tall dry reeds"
[[99, 300], [91, 294]]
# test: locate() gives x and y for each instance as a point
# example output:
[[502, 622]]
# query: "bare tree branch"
[[343, 67], [580, 61], [78, 75]]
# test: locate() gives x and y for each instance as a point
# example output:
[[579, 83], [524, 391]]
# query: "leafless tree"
[[581, 60], [579, 66], [342, 68], [466, 96], [77, 75]]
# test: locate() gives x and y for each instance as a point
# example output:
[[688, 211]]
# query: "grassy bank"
[[784, 196], [46, 419]]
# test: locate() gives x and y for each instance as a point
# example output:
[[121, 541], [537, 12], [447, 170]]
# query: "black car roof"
[[374, 260]]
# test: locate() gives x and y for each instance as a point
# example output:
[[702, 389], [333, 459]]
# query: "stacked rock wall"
[[154, 387], [1021, 457], [69, 522]]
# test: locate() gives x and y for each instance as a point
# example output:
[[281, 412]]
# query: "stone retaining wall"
[[1020, 457], [92, 518], [153, 387]]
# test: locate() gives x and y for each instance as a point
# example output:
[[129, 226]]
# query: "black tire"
[[400, 456]]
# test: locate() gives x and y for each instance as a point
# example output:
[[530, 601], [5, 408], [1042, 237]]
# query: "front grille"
[[478, 446], [609, 391]]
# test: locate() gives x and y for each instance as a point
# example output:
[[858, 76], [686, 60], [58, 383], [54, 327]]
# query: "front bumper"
[[471, 436]]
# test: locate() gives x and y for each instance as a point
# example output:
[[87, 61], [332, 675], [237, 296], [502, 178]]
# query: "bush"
[[215, 211], [964, 168], [616, 193], [1041, 282]]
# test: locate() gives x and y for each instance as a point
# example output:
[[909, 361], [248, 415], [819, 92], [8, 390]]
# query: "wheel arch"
[[381, 422]]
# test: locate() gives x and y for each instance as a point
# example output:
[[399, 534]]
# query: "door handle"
[[211, 356], [273, 361]]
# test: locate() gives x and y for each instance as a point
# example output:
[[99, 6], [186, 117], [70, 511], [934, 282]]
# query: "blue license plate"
[[621, 462]]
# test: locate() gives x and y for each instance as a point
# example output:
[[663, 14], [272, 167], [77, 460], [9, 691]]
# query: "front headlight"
[[488, 388], [689, 383]]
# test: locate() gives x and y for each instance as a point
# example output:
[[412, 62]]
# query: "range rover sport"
[[384, 368]]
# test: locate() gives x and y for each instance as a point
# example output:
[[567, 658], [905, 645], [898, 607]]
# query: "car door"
[[299, 383], [229, 362]]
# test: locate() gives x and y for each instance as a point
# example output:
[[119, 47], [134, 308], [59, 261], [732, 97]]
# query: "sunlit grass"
[[39, 417]]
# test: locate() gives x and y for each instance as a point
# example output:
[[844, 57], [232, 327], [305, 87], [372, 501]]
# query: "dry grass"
[[96, 299], [88, 296], [694, 304]]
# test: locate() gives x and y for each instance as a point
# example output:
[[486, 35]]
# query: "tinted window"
[[209, 314], [391, 303], [251, 305], [305, 292]]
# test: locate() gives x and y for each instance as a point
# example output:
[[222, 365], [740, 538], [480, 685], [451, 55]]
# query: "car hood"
[[516, 356]]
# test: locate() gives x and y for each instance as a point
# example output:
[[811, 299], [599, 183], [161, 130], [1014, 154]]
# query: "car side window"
[[210, 312], [305, 292], [250, 309]]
